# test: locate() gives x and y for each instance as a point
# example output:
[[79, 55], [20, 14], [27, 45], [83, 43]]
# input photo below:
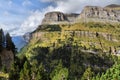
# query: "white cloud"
[[32, 22], [67, 6], [26, 3], [9, 28], [52, 0], [77, 5]]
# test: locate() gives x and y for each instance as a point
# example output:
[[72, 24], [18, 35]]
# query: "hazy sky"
[[21, 16]]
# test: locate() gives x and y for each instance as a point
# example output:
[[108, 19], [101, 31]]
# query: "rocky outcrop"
[[110, 13], [89, 34], [113, 6], [27, 37], [6, 58], [53, 17], [71, 17], [58, 17], [99, 14]]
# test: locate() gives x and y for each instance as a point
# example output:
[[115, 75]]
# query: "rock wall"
[[99, 14], [71, 17], [89, 34], [58, 17], [7, 58], [110, 13], [52, 17]]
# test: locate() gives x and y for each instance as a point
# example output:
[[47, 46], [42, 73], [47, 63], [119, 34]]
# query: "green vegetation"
[[67, 62], [111, 74], [80, 51], [6, 44], [48, 28]]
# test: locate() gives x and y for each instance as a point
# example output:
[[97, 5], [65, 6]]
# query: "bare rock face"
[[99, 14], [7, 58], [113, 6], [72, 17], [53, 17], [110, 13], [58, 17]]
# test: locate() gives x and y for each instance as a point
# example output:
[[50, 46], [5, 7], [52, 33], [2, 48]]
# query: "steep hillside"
[[99, 34], [72, 46]]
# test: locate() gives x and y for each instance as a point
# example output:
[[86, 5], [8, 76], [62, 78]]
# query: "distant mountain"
[[113, 6], [19, 42]]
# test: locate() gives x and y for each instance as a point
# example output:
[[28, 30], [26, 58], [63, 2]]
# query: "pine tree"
[[1, 39], [9, 44], [59, 73], [38, 76], [88, 74], [14, 71], [25, 72]]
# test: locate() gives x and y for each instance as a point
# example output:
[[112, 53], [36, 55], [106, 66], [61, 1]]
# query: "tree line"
[[6, 42]]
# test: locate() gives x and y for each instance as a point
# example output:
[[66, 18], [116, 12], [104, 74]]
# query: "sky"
[[22, 16]]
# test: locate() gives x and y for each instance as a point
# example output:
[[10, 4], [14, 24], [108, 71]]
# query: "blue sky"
[[21, 16], [15, 11]]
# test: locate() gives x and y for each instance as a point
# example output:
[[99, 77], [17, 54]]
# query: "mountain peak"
[[113, 6], [56, 17]]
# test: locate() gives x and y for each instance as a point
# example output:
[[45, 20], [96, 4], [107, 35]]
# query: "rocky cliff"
[[6, 58], [99, 14], [110, 13], [113, 6], [58, 17]]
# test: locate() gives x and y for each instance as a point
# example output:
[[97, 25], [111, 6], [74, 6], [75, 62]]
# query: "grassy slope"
[[52, 36]]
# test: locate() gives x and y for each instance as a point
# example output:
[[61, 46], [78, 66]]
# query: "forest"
[[63, 56]]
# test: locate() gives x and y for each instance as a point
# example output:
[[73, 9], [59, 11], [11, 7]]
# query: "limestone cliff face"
[[110, 13], [52, 17], [72, 17], [7, 57], [58, 17], [113, 6], [99, 14]]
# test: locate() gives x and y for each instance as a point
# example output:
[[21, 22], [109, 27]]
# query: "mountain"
[[99, 14], [71, 46], [110, 13], [59, 17], [113, 6], [19, 42]]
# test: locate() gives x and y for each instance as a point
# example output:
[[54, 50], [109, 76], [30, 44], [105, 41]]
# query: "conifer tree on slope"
[[9, 44], [1, 39]]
